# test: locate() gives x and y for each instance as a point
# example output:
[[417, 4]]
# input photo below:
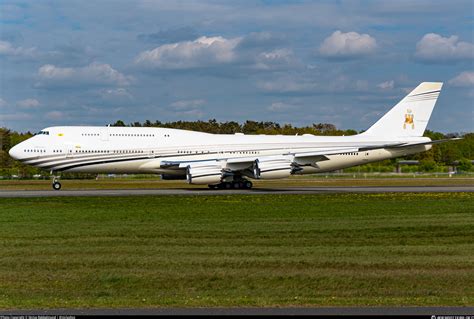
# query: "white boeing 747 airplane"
[[228, 160]]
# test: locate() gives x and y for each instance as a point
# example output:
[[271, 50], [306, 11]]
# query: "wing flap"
[[310, 158], [327, 151]]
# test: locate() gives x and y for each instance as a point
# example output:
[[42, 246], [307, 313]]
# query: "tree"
[[5, 143], [427, 165], [325, 128], [119, 123], [250, 127], [464, 165], [230, 128]]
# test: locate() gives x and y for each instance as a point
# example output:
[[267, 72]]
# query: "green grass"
[[237, 250]]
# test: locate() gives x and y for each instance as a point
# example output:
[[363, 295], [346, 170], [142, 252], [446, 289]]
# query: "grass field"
[[239, 250], [294, 181]]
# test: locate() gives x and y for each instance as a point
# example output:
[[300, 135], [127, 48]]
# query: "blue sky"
[[298, 62]]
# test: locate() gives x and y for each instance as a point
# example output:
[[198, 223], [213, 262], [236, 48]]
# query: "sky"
[[298, 62]]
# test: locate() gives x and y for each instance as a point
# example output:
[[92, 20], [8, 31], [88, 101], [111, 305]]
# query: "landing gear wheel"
[[248, 184], [228, 185], [236, 185], [213, 186], [56, 185]]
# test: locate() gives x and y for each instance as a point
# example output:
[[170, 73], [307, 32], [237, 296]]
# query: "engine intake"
[[210, 174], [272, 169]]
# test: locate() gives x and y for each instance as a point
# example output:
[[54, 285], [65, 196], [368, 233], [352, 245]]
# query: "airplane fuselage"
[[130, 150]]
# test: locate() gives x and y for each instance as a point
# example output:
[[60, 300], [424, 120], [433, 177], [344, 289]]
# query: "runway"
[[323, 311], [260, 191]]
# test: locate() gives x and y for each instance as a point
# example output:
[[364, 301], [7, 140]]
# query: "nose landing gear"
[[56, 184]]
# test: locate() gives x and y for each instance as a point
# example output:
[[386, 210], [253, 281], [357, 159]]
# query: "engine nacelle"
[[210, 174], [272, 169]]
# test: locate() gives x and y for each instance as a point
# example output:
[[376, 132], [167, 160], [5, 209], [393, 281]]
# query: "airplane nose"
[[15, 152]]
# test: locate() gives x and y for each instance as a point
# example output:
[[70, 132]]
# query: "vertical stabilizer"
[[410, 116]]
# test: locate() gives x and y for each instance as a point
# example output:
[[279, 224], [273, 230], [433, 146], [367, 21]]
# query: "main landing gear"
[[233, 185]]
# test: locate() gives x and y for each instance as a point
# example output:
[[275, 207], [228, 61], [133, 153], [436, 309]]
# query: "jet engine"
[[272, 168], [209, 174]]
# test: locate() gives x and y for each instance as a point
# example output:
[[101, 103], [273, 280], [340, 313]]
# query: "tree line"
[[248, 127], [436, 159]]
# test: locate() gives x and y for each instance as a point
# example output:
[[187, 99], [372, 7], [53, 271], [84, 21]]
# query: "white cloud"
[[187, 104], [257, 50], [6, 48], [288, 85], [49, 71], [348, 45], [280, 107], [116, 94], [55, 115], [202, 52], [309, 84], [463, 79], [386, 85], [3, 103], [187, 108], [92, 74], [359, 85], [28, 103], [193, 113], [273, 59], [435, 48]]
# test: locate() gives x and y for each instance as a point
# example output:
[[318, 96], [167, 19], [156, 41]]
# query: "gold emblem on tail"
[[409, 120]]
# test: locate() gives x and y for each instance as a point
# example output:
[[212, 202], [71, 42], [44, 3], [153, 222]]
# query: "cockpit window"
[[42, 133]]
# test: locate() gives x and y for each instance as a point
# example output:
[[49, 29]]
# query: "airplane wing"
[[237, 163]]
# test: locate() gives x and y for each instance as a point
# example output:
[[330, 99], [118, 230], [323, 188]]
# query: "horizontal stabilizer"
[[426, 143]]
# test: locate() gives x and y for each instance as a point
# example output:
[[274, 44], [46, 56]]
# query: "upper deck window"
[[42, 133]]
